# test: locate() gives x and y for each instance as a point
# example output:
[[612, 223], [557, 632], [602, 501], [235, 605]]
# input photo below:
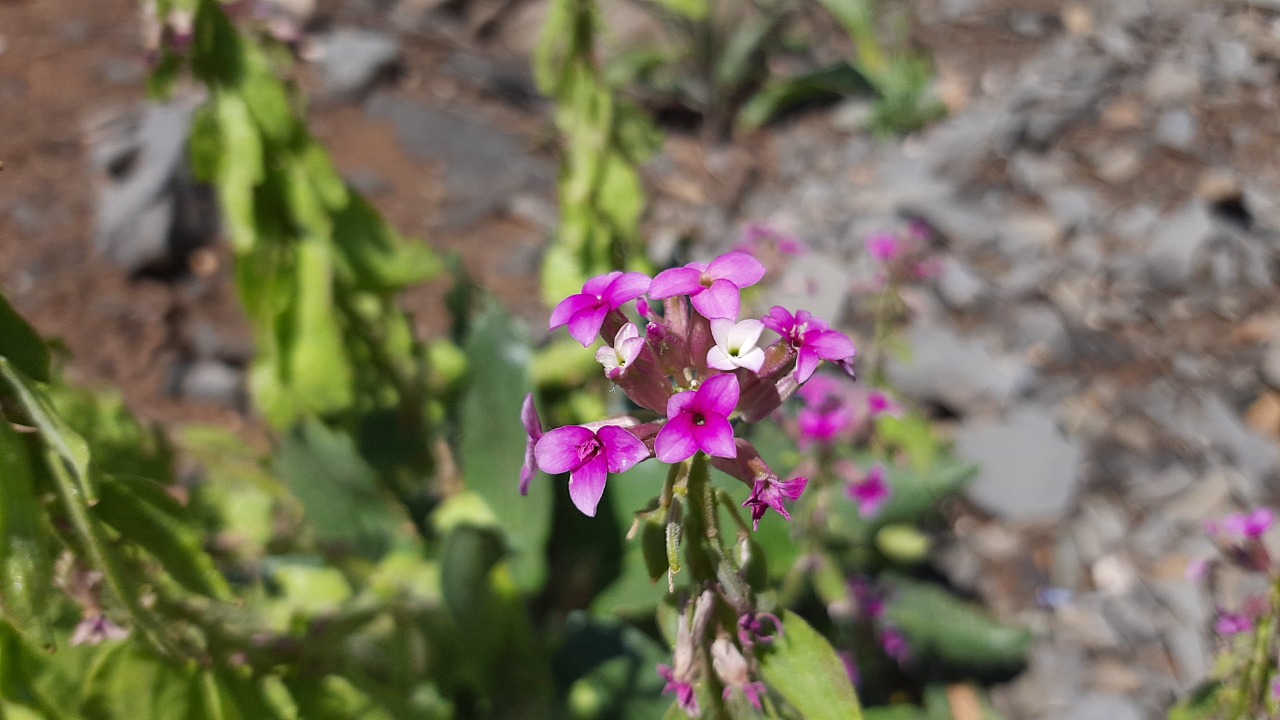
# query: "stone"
[[1029, 471], [354, 60], [1038, 331], [210, 381], [1097, 706], [1177, 241], [816, 282], [1170, 83], [958, 286], [1176, 129], [959, 372], [151, 214], [1271, 365]]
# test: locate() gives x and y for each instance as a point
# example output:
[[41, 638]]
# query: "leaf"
[[466, 559], [26, 570], [493, 440], [687, 9], [613, 671], [240, 168], [55, 433], [338, 490], [942, 630], [829, 83], [333, 697], [22, 344], [127, 682], [143, 513], [377, 257], [802, 667]]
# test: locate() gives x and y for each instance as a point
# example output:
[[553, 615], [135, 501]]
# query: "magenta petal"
[[625, 288], [779, 320], [832, 345], [560, 451], [739, 268], [719, 395], [571, 306], [597, 285], [676, 281], [529, 417], [721, 300], [586, 485], [715, 437], [622, 449], [675, 441], [585, 326], [680, 402], [806, 362]]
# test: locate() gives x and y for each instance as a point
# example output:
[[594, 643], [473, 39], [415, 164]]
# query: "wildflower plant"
[[698, 376]]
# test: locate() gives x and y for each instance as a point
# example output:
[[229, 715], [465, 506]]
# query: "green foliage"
[[21, 345], [26, 569], [803, 668]]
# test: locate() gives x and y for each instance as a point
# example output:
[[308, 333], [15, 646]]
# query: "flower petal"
[[675, 441], [806, 362], [719, 359], [625, 288], [585, 326], [571, 306], [718, 395], [739, 268], [676, 281], [721, 331], [715, 437], [752, 361], [678, 403], [586, 485], [559, 450], [529, 417], [744, 334], [721, 300], [622, 449], [779, 320], [597, 285], [831, 345]]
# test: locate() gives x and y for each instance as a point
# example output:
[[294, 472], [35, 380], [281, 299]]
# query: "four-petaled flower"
[[735, 345], [584, 313], [770, 492], [870, 493], [713, 289], [811, 338], [627, 345], [1229, 623], [1248, 526], [699, 420], [588, 456], [533, 433]]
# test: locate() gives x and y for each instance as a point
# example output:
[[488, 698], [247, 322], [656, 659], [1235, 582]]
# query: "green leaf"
[[56, 434], [687, 9], [830, 83], [143, 513], [468, 556], [22, 344], [26, 571], [377, 257], [333, 697], [307, 588], [802, 667], [903, 543], [944, 630], [493, 440], [240, 169], [127, 682], [338, 489]]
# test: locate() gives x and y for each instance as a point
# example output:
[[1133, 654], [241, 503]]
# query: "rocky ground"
[[1104, 337]]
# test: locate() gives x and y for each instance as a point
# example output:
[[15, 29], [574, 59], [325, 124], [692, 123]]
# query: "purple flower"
[[880, 404], [1229, 623], [585, 312], [851, 668], [895, 645], [770, 492], [588, 456], [1248, 526], [685, 697], [811, 338], [751, 629], [96, 628], [870, 493], [533, 429], [699, 420], [732, 668], [627, 345], [884, 246], [680, 678], [713, 288], [823, 426], [736, 345]]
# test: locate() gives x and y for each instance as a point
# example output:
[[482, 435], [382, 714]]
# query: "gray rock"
[[1038, 329], [1233, 61], [1100, 706], [1170, 83], [1176, 129], [1271, 365], [1178, 239], [958, 372], [353, 60], [210, 381], [485, 168], [150, 212], [958, 286], [1074, 209], [1029, 469]]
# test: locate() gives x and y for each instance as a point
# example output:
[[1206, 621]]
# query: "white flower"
[[736, 345], [627, 345]]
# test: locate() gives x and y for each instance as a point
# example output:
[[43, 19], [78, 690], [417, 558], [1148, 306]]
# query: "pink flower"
[[733, 671], [812, 339], [880, 404], [735, 345], [685, 696], [1229, 623], [627, 345], [884, 246], [751, 629], [585, 312], [713, 288], [699, 420], [870, 493], [1248, 526], [588, 456], [770, 492], [823, 426], [532, 429], [895, 645], [96, 628]]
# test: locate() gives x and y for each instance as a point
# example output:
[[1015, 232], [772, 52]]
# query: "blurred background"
[[1101, 182]]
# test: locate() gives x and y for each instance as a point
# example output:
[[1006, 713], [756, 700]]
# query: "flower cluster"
[[688, 358], [1239, 539], [903, 256]]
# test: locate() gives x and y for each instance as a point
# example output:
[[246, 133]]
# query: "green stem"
[[699, 531]]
